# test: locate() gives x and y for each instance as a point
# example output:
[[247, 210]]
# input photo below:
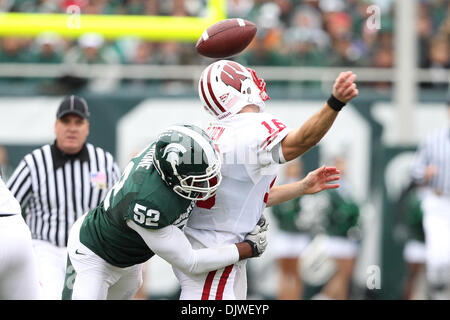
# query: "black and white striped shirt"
[[434, 150], [54, 189]]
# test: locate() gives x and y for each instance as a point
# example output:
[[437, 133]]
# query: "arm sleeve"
[[171, 244]]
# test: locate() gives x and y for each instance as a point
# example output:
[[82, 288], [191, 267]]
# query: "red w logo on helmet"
[[231, 77]]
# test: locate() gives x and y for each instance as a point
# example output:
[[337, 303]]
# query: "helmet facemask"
[[261, 84], [187, 161], [199, 187]]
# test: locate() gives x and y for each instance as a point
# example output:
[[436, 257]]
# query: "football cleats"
[[187, 161], [225, 87]]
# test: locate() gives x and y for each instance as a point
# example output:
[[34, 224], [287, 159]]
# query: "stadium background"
[[140, 82]]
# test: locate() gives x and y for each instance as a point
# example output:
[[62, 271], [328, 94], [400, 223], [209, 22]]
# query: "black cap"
[[73, 105]]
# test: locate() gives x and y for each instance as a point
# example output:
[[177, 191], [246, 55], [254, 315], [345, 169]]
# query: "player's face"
[[71, 133]]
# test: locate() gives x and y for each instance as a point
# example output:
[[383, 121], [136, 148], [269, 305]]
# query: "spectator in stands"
[[239, 8], [424, 33], [143, 53], [97, 7], [140, 53], [306, 39], [383, 58], [344, 52], [169, 53], [134, 7], [336, 27], [92, 49], [365, 44], [48, 6], [47, 48], [259, 53], [439, 61], [11, 50]]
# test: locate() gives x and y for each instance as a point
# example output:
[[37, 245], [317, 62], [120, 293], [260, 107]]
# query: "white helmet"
[[317, 266], [225, 87]]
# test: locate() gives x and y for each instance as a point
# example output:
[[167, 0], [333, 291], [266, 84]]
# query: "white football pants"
[[229, 283], [95, 278], [18, 268], [436, 223], [51, 262]]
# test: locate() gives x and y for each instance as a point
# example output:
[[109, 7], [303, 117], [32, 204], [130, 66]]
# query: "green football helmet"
[[188, 162]]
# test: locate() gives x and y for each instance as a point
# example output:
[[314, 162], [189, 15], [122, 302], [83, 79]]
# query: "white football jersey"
[[8, 204], [250, 148]]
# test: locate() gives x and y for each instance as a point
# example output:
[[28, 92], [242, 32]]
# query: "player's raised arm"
[[300, 140], [316, 181]]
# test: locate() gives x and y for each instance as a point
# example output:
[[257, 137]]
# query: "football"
[[226, 38]]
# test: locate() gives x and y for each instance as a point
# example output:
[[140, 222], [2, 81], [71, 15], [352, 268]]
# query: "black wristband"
[[335, 104], [254, 248]]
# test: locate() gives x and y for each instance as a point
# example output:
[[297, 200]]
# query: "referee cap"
[[73, 105]]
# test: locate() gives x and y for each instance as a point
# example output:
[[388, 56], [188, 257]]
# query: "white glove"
[[263, 223], [257, 238]]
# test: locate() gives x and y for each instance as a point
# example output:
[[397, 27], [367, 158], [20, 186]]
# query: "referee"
[[432, 170], [56, 183]]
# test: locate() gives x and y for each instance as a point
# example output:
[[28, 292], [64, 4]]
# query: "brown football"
[[226, 38]]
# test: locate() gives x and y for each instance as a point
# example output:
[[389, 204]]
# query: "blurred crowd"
[[290, 33], [317, 241]]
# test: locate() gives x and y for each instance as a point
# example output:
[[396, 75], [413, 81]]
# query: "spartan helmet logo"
[[173, 152]]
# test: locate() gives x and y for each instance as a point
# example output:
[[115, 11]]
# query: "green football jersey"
[[286, 215], [142, 196], [342, 214]]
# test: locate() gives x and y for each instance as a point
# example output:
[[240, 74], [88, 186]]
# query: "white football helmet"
[[317, 266], [225, 87]]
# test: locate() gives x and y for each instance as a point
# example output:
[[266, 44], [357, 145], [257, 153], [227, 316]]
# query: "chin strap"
[[261, 84]]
